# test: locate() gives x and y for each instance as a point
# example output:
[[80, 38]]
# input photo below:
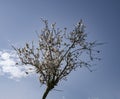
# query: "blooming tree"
[[58, 53]]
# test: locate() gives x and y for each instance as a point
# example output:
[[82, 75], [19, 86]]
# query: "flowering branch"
[[58, 53]]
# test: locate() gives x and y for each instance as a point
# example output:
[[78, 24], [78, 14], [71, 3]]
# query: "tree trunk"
[[46, 92]]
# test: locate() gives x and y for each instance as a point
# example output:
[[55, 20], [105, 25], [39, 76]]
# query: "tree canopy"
[[58, 53]]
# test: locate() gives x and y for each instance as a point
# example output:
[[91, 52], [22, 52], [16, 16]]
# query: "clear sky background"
[[19, 19]]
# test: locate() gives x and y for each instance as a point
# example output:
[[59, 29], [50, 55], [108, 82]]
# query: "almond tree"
[[58, 53]]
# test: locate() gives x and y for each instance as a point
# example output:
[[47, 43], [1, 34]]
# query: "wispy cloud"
[[8, 65]]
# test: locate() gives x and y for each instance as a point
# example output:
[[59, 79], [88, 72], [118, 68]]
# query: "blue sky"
[[19, 19]]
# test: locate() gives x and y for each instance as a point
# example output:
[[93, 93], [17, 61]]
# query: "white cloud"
[[8, 60], [5, 55]]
